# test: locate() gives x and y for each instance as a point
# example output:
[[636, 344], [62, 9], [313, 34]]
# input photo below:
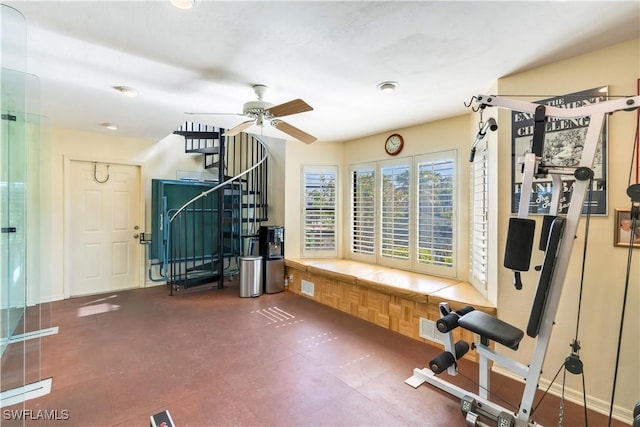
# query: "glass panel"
[[12, 270], [23, 316], [38, 313], [12, 204]]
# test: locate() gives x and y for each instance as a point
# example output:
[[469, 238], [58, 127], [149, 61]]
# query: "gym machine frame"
[[551, 278]]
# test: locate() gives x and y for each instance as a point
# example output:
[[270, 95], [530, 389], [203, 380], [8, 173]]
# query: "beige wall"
[[158, 160], [76, 145], [298, 155], [441, 135], [276, 174], [431, 137], [618, 67]]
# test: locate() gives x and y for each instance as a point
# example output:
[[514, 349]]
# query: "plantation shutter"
[[394, 212], [319, 215], [479, 220], [363, 211], [435, 216]]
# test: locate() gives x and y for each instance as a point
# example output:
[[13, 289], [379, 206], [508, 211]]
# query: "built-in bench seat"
[[391, 298]]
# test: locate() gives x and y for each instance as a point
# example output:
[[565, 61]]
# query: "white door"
[[103, 225]]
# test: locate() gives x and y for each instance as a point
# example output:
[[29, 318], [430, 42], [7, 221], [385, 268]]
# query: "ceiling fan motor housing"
[[255, 108], [260, 111]]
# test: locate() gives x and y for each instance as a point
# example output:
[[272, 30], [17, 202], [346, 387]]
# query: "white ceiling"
[[332, 54]]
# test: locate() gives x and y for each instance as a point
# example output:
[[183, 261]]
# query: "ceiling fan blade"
[[293, 131], [239, 128], [292, 107]]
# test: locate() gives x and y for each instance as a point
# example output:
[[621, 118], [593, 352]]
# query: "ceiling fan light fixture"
[[387, 87], [127, 91], [183, 4]]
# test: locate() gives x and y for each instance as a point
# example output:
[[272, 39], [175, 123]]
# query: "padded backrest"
[[544, 281], [517, 254]]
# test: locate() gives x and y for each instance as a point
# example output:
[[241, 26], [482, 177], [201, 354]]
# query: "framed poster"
[[564, 139]]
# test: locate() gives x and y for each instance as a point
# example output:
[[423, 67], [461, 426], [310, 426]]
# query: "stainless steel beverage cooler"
[[273, 275], [271, 240]]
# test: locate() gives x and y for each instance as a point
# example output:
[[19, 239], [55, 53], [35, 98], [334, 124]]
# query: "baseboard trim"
[[575, 396]]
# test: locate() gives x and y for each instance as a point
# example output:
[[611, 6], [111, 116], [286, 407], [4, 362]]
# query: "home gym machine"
[[557, 241]]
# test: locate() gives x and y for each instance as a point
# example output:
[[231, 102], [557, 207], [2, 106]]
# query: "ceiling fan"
[[260, 111]]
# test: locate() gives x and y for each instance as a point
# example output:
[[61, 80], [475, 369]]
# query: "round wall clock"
[[394, 144]]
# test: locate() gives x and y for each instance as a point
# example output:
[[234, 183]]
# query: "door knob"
[[135, 236]]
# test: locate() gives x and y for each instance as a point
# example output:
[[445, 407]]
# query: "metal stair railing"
[[206, 235]]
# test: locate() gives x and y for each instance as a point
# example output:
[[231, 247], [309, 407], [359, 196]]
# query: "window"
[[403, 213], [435, 245], [319, 212], [363, 210], [479, 218], [394, 210]]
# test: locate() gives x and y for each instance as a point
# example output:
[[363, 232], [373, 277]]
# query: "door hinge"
[[9, 117], [9, 229]]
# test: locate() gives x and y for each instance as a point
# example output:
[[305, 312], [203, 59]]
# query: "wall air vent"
[[429, 331], [308, 288]]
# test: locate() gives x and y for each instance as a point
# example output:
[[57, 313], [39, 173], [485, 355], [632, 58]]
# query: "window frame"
[[389, 261], [439, 156], [412, 163]]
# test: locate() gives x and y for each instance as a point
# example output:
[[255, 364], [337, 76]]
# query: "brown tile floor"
[[214, 359]]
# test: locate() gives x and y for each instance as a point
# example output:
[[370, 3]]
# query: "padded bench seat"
[[491, 328]]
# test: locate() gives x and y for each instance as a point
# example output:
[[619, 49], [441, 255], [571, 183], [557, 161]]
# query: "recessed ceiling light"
[[388, 87], [183, 4], [110, 126], [127, 91]]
